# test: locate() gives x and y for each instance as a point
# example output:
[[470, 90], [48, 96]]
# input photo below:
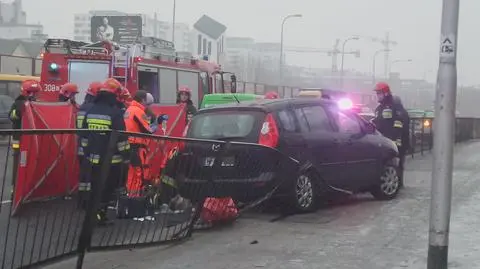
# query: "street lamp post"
[[343, 56], [281, 44], [398, 61], [374, 61], [173, 20]]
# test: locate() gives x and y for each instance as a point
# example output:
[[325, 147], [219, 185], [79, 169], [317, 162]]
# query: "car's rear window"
[[223, 125]]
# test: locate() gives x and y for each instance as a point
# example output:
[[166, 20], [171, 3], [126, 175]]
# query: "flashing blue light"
[[53, 66]]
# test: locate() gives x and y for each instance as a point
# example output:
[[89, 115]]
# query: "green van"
[[213, 99]]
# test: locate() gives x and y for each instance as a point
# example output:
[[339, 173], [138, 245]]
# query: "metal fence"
[[46, 214]]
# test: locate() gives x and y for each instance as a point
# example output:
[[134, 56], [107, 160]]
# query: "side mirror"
[[162, 118]]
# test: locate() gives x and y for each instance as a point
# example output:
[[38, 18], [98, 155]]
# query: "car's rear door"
[[358, 152], [291, 140], [323, 147]]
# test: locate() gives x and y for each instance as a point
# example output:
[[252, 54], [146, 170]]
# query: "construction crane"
[[334, 52], [386, 43]]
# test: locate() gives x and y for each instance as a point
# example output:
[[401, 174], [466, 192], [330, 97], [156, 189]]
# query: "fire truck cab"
[[149, 64]]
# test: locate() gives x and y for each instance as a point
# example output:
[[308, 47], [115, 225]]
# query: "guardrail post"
[[89, 221]]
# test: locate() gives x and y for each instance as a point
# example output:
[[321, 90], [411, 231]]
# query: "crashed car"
[[333, 150]]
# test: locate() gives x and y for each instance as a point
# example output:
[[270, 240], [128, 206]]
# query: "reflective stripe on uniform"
[[397, 124], [123, 146], [398, 142], [95, 159], [169, 181], [84, 186], [84, 142], [13, 114], [80, 151], [387, 113]]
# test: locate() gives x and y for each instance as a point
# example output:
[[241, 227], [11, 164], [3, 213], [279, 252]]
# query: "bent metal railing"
[[44, 217]]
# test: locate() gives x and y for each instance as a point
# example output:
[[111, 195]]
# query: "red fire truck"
[[150, 64]]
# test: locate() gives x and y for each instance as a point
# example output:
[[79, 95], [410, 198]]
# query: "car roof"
[[268, 105]]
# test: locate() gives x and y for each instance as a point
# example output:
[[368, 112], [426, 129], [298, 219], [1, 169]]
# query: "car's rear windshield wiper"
[[228, 138]]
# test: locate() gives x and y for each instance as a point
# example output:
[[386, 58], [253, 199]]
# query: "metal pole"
[[280, 68], [343, 56], [444, 129], [374, 65], [173, 20]]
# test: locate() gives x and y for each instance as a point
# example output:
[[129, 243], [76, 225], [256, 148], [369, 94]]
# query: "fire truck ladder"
[[121, 60]]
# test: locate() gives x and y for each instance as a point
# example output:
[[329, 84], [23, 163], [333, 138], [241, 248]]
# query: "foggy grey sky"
[[414, 24]]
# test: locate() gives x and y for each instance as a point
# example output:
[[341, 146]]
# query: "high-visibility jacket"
[[137, 121]]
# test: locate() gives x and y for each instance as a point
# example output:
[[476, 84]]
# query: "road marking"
[[6, 202]]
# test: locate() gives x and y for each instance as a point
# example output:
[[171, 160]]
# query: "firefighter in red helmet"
[[67, 93], [271, 95], [84, 185], [28, 92], [104, 114], [184, 96], [392, 120]]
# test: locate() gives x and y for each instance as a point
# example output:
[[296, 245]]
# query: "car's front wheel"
[[304, 195], [389, 184]]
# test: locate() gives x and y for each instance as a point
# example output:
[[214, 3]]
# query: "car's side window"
[[348, 125], [287, 120], [317, 118], [302, 120]]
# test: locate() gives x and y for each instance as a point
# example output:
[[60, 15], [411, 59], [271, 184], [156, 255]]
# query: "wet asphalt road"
[[359, 233]]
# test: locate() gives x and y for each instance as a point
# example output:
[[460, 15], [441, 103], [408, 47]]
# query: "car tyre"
[[388, 186], [304, 197]]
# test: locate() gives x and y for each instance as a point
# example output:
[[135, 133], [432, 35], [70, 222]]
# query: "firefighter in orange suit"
[[137, 121]]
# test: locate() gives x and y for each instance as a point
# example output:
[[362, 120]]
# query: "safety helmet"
[[271, 95], [184, 90], [149, 99], [94, 87], [112, 85], [69, 90], [30, 87], [382, 87]]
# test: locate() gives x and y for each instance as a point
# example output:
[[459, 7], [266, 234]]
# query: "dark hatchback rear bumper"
[[240, 189]]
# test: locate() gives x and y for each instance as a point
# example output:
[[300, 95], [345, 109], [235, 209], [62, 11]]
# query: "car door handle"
[[336, 141], [349, 142]]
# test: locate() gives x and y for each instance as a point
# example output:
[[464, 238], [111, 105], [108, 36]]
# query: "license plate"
[[209, 161], [228, 162]]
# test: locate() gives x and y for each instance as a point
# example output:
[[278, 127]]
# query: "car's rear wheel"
[[305, 193], [389, 184]]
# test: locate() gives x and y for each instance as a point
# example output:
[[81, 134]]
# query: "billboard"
[[121, 29]]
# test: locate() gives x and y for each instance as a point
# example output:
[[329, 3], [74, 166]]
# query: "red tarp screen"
[[48, 164], [175, 126]]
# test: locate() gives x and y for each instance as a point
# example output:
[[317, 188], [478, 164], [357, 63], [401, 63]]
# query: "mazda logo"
[[215, 147]]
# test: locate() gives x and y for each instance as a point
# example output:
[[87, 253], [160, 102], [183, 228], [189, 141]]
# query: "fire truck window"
[[148, 81], [189, 79], [168, 86]]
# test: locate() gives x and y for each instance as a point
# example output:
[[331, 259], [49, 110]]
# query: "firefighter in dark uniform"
[[105, 114], [392, 120], [28, 92], [84, 185]]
